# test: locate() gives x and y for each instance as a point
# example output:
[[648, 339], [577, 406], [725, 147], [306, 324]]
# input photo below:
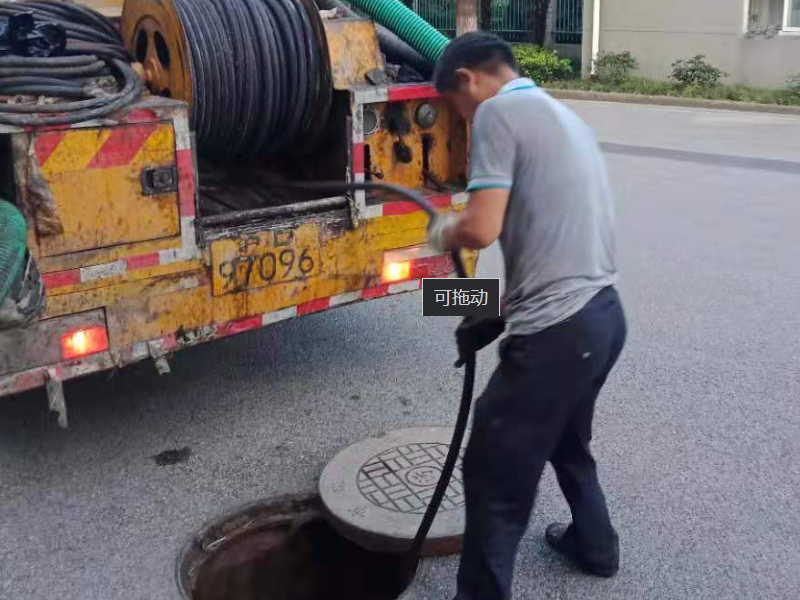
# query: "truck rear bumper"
[[158, 348]]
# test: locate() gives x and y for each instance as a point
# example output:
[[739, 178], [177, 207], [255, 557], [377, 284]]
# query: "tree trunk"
[[466, 16], [486, 15], [537, 21]]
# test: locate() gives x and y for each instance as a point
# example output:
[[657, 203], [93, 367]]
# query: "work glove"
[[436, 231], [474, 333]]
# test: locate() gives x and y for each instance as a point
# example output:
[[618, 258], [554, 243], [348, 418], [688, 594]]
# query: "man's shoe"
[[561, 538]]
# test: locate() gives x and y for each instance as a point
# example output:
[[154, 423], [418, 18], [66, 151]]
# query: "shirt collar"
[[520, 83]]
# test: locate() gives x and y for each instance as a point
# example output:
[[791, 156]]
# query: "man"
[[538, 182]]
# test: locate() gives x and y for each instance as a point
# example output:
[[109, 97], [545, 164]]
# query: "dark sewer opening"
[[296, 559]]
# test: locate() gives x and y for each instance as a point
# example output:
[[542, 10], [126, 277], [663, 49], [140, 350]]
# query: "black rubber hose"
[[94, 68], [60, 91], [73, 30], [33, 80], [107, 51], [81, 14], [261, 83], [399, 52], [132, 89], [450, 461], [71, 16], [49, 61], [413, 553], [94, 49]]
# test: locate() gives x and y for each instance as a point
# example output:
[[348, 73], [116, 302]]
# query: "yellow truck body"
[[137, 267]]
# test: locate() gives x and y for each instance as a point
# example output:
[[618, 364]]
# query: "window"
[[791, 18], [773, 16]]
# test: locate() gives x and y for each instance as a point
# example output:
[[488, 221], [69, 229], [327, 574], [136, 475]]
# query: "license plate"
[[256, 260]]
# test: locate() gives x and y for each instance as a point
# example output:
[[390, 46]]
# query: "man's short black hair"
[[474, 50]]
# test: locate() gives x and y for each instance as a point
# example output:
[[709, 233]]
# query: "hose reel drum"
[[255, 73]]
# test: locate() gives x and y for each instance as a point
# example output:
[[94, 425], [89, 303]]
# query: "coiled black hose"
[[57, 70], [94, 49], [412, 554], [80, 22], [23, 115], [261, 81]]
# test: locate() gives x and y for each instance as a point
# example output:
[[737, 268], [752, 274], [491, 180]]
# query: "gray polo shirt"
[[558, 234]]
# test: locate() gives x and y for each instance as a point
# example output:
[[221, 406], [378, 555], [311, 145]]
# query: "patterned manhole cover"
[[375, 491], [403, 478]]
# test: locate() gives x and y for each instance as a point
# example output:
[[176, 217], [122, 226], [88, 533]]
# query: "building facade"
[[757, 42]]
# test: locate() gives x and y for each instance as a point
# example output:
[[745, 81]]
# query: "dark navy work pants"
[[538, 407]]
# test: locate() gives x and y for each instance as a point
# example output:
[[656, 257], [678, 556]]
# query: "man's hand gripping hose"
[[471, 335]]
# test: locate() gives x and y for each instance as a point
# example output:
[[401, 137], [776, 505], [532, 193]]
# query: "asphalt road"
[[697, 433]]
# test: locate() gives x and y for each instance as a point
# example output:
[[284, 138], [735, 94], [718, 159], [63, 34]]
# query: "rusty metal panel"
[[436, 155], [159, 312], [95, 256], [40, 344], [111, 185], [263, 258], [354, 51], [180, 308]]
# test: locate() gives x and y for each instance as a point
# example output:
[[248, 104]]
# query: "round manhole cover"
[[404, 477], [377, 490]]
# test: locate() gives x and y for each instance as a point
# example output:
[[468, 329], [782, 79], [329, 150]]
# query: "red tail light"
[[396, 271], [83, 342]]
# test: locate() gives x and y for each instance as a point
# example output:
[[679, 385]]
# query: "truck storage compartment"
[[255, 188], [109, 185]]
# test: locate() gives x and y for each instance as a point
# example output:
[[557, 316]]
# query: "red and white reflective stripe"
[[358, 158], [399, 93], [187, 187], [118, 268], [314, 306], [394, 93], [388, 209], [36, 377]]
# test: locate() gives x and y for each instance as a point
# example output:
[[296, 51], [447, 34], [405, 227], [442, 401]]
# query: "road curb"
[[673, 101]]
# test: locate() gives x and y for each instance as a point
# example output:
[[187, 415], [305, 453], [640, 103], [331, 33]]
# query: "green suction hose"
[[22, 294], [408, 25], [13, 246]]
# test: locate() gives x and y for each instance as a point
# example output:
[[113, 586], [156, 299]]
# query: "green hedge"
[[649, 87], [540, 64]]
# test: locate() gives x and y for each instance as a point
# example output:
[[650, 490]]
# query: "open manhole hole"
[[284, 549]]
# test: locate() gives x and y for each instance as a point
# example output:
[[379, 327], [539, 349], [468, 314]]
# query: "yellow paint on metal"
[[99, 256], [183, 299], [75, 151], [350, 260], [104, 205], [137, 274], [255, 260], [158, 313], [354, 51], [442, 147], [82, 300], [143, 23]]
